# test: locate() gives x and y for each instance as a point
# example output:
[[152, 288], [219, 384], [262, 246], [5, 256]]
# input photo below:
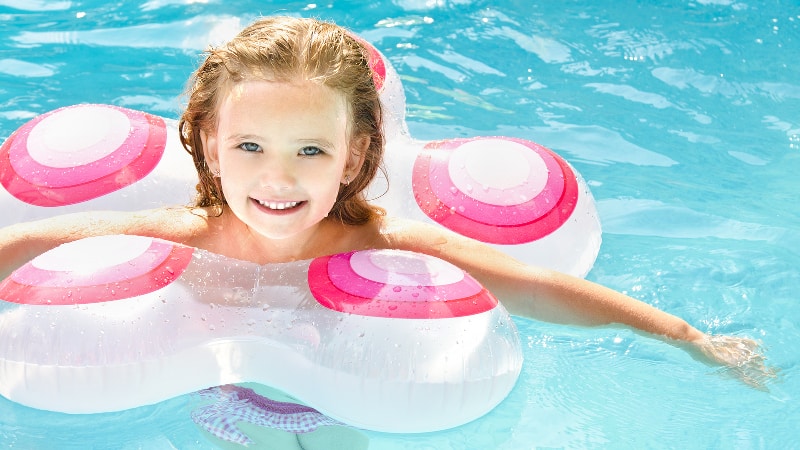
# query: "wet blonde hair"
[[287, 49]]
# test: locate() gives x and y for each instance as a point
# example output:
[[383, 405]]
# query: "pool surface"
[[683, 117]]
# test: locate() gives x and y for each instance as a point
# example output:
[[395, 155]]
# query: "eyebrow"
[[317, 141], [243, 137]]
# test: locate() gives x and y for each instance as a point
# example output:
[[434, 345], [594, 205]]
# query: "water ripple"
[[643, 217], [547, 49], [594, 144], [37, 5], [716, 84], [19, 68], [467, 63], [191, 34]]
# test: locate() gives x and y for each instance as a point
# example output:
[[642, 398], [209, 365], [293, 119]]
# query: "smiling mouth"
[[279, 206]]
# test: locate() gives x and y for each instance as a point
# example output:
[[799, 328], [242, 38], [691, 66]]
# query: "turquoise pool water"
[[684, 118]]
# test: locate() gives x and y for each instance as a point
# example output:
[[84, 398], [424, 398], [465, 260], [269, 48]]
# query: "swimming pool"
[[683, 117]]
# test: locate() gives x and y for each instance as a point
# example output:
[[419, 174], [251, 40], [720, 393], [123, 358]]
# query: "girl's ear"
[[210, 151], [358, 153]]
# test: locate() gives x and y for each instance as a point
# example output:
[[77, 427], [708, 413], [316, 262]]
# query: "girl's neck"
[[229, 236]]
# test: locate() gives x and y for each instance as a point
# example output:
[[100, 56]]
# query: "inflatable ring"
[[114, 322]]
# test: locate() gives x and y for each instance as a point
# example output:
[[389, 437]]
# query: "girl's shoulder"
[[185, 225], [401, 232], [412, 235]]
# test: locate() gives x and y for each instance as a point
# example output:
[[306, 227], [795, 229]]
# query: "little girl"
[[285, 128]]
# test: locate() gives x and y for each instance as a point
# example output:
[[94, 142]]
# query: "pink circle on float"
[[108, 260], [392, 285], [335, 285], [28, 177], [31, 157], [444, 202], [508, 175], [78, 136], [404, 269], [93, 271], [544, 189]]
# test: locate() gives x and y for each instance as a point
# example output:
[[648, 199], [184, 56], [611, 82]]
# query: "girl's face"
[[282, 149]]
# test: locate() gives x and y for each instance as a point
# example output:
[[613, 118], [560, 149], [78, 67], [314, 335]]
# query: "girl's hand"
[[741, 357]]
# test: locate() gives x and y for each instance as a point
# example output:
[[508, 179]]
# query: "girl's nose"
[[277, 175]]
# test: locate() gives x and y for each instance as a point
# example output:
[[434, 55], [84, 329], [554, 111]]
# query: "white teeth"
[[278, 205]]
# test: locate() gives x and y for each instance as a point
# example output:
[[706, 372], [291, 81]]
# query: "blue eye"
[[310, 151], [249, 147]]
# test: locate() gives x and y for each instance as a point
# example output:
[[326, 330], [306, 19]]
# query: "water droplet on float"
[[392, 307], [452, 210], [397, 289], [453, 189]]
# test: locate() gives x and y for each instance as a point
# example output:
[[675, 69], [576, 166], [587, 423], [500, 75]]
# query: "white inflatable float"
[[384, 340]]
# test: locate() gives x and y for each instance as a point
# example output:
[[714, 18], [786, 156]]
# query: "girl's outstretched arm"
[[543, 294], [19, 243]]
